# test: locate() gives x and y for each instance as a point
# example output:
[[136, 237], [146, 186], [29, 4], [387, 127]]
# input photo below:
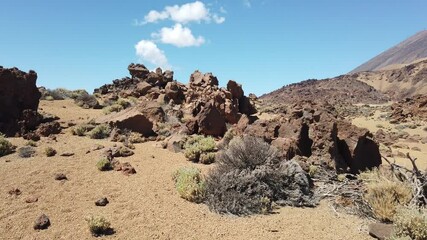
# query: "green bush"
[[410, 223], [5, 146], [123, 102], [197, 146], [104, 165], [190, 184], [49, 152], [98, 225], [100, 132]]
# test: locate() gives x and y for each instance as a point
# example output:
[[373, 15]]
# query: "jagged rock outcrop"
[[207, 107], [414, 108], [315, 132], [19, 100]]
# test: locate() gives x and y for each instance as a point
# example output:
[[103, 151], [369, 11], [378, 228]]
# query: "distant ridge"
[[409, 51]]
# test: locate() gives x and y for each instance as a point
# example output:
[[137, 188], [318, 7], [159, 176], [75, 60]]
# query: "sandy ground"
[[142, 206], [375, 122]]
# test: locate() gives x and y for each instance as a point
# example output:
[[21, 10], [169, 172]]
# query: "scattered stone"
[[60, 176], [416, 149], [42, 222], [127, 169], [31, 199], [15, 192], [102, 202], [380, 231], [67, 154]]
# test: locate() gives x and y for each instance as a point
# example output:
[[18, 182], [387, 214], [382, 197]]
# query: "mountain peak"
[[409, 51]]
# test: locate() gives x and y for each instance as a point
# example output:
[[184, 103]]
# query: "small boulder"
[[380, 231], [102, 202], [60, 177], [42, 222]]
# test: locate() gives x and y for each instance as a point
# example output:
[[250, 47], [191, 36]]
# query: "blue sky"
[[263, 44]]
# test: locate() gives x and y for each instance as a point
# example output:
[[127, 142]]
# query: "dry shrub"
[[410, 223], [81, 130], [249, 178], [98, 225], [5, 146], [87, 101], [100, 132], [385, 193], [26, 152], [190, 184], [112, 108], [49, 152]]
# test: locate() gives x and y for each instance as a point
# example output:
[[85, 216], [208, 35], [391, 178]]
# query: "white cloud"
[[218, 19], [148, 51], [247, 3], [189, 12], [178, 36], [222, 10]]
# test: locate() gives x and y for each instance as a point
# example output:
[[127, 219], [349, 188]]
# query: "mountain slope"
[[410, 50]]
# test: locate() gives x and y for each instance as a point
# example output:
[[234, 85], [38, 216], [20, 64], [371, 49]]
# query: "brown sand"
[[142, 206]]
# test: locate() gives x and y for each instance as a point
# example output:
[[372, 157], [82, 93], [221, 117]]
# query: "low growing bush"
[[5, 146], [50, 152], [410, 223], [112, 108], [384, 193], [249, 178], [100, 132], [86, 101], [98, 225], [104, 165], [198, 148], [26, 152], [190, 184]]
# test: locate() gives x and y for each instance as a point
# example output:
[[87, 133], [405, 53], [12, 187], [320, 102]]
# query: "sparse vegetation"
[[86, 100], [49, 152], [104, 165], [80, 130], [98, 225], [384, 193], [100, 132], [200, 147], [5, 146], [112, 108], [31, 143], [249, 178], [190, 184], [410, 223], [26, 152]]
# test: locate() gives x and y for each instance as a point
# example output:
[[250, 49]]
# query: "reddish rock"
[[173, 91], [47, 129], [19, 100], [42, 222], [235, 89], [198, 79], [210, 121], [138, 70]]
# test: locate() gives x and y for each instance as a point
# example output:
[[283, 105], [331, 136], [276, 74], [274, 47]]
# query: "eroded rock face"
[[414, 108], [211, 122], [315, 132], [19, 100]]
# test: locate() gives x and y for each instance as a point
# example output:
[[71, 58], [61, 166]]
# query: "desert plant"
[[85, 100], [384, 193], [249, 178], [135, 138], [190, 184], [123, 102], [5, 146], [100, 132], [31, 143], [104, 164], [49, 152], [80, 130], [410, 223], [197, 146], [112, 108], [49, 98], [98, 225], [26, 152]]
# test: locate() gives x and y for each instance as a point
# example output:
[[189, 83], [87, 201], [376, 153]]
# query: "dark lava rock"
[[102, 202], [42, 222]]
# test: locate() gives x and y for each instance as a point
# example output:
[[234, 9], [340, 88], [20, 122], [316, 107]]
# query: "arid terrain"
[[142, 206], [148, 157]]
